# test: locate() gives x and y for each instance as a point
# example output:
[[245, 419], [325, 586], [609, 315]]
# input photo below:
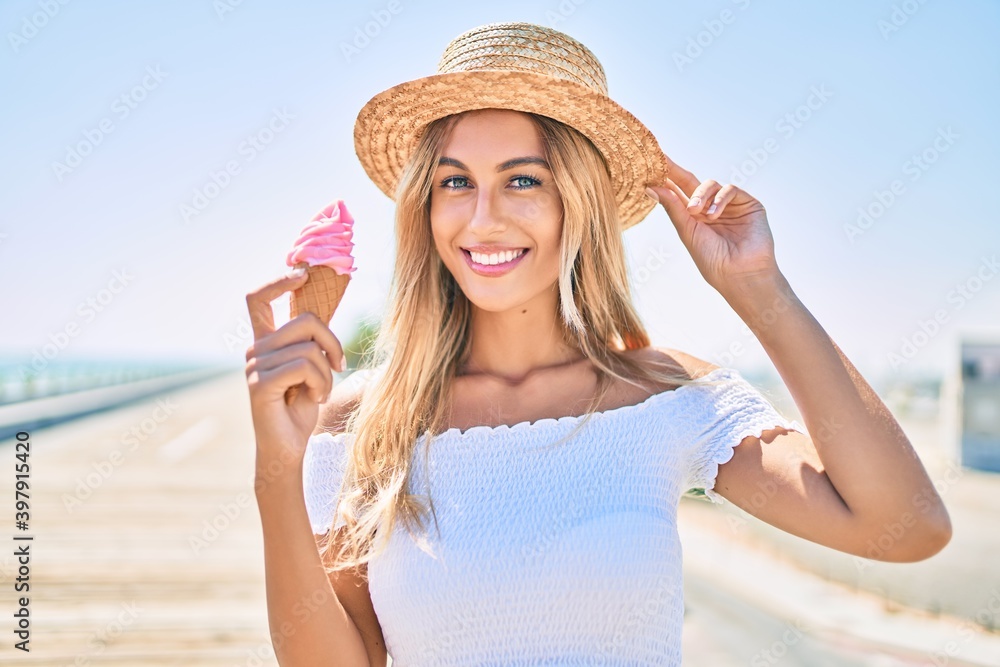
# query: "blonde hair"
[[424, 338]]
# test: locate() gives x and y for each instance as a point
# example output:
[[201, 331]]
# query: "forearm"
[[865, 453], [309, 625]]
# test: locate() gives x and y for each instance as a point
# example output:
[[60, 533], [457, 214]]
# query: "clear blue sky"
[[182, 85]]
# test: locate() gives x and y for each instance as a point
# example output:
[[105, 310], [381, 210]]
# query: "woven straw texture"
[[524, 67]]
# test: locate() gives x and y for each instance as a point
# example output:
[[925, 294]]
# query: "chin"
[[497, 303]]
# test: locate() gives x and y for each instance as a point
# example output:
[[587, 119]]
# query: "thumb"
[[676, 209]]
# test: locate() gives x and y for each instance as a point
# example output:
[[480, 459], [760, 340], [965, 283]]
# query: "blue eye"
[[451, 179], [531, 181], [520, 182]]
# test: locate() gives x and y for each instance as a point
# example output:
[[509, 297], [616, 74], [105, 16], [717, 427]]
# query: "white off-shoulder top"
[[565, 555]]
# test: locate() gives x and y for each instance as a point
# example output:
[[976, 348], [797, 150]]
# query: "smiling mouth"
[[493, 259]]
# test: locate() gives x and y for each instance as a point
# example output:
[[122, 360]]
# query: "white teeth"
[[495, 258]]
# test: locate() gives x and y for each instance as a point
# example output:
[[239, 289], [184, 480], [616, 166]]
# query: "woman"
[[502, 489]]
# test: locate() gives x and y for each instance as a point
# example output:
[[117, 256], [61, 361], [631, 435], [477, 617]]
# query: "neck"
[[510, 345]]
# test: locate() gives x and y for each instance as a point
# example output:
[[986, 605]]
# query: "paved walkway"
[[119, 502], [962, 580], [824, 622]]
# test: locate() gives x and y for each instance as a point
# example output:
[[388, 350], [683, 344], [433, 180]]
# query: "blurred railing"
[[20, 380]]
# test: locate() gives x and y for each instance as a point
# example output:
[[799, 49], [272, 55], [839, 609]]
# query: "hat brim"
[[389, 125]]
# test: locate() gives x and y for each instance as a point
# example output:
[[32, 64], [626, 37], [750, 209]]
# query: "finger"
[[687, 181], [677, 190], [305, 327], [676, 205], [671, 196], [292, 373], [259, 302], [309, 350], [722, 197], [701, 196]]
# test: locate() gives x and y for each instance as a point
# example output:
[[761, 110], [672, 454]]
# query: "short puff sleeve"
[[732, 410], [322, 472]]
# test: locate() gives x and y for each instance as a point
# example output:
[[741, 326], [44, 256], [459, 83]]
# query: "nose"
[[486, 214]]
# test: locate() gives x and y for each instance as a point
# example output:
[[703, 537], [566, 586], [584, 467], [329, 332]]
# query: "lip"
[[493, 270]]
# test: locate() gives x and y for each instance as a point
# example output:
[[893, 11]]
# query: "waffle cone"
[[321, 293]]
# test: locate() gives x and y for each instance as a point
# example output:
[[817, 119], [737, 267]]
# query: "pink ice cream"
[[326, 240]]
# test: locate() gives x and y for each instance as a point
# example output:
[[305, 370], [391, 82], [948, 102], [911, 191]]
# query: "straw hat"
[[524, 67]]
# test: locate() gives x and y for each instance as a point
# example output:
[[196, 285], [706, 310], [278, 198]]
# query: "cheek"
[[442, 222], [545, 213], [440, 238], [540, 210], [444, 232], [448, 214]]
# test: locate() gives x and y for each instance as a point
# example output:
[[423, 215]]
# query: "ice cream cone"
[[323, 249], [321, 293]]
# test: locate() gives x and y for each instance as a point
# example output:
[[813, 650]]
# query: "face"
[[496, 214]]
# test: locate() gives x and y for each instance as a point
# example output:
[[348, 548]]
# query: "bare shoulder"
[[675, 361], [343, 400]]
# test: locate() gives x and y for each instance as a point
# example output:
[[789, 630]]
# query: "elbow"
[[936, 532], [940, 535], [909, 539], [927, 542], [932, 542]]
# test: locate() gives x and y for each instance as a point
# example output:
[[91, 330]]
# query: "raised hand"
[[303, 351], [723, 228]]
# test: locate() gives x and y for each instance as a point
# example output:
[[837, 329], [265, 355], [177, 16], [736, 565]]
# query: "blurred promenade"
[[962, 580], [147, 551]]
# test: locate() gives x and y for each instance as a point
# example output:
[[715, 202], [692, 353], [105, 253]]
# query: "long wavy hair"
[[423, 339]]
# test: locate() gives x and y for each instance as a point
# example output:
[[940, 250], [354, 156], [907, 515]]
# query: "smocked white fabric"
[[567, 555]]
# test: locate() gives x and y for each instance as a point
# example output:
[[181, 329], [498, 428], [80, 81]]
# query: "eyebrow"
[[503, 166]]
